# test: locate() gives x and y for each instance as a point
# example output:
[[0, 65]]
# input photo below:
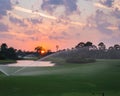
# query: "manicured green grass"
[[90, 79], [7, 61], [1, 74]]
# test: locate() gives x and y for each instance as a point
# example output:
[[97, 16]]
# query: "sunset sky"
[[25, 24]]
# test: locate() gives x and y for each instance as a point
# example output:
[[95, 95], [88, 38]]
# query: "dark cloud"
[[3, 27], [21, 39], [54, 2], [52, 37], [70, 5], [30, 32], [119, 25], [17, 21], [107, 3], [62, 36], [51, 5], [103, 28], [62, 18], [64, 33], [88, 0], [36, 21], [8, 36], [101, 22], [116, 13], [34, 38], [4, 6], [15, 2]]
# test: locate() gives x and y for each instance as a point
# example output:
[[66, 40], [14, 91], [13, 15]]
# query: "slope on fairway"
[[67, 80]]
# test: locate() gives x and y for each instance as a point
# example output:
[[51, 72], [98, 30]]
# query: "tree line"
[[82, 49], [89, 50], [7, 53], [12, 53]]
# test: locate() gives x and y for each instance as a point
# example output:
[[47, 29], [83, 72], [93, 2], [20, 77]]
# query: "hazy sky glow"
[[25, 24]]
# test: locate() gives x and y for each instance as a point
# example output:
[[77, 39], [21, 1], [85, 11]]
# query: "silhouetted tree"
[[117, 47], [101, 46], [4, 47], [94, 47], [3, 51], [41, 50], [111, 48], [49, 52], [88, 44], [7, 53], [38, 49], [80, 45], [57, 47], [11, 53]]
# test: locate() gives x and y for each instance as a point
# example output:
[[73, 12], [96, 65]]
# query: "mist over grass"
[[73, 80]]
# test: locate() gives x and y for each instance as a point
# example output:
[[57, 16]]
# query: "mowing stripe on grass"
[[4, 72], [18, 70], [21, 69]]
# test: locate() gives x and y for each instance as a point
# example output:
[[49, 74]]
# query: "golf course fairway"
[[101, 78]]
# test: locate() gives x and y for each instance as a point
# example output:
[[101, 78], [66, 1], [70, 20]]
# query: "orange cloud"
[[101, 6]]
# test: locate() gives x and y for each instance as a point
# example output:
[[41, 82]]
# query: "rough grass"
[[57, 60], [71, 60], [7, 61], [1, 74], [67, 80], [80, 60]]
